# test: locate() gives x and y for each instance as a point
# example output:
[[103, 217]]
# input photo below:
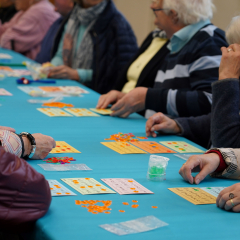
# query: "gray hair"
[[190, 11], [233, 31]]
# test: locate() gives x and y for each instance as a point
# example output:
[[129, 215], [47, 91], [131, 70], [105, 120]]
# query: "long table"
[[66, 220]]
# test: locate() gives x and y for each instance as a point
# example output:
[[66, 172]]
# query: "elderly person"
[[141, 71], [212, 128], [63, 7], [93, 45], [7, 10], [24, 193], [26, 30], [183, 83]]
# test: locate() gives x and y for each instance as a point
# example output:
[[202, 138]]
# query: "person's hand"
[[224, 200], [132, 102], [204, 164], [111, 97], [230, 63], [63, 72], [161, 123], [8, 129], [44, 144]]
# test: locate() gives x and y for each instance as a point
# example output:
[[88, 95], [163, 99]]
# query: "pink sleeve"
[[26, 33]]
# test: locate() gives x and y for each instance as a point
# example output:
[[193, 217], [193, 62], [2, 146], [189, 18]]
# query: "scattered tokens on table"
[[57, 104], [57, 189], [59, 160], [124, 137], [63, 147], [54, 112], [93, 207], [181, 147], [87, 186]]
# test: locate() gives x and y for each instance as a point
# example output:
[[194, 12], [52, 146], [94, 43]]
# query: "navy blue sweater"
[[45, 53], [183, 84], [114, 46]]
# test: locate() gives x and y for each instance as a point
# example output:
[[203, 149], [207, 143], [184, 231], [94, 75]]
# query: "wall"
[[141, 17]]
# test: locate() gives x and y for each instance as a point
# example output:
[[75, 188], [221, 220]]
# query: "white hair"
[[233, 31], [190, 11]]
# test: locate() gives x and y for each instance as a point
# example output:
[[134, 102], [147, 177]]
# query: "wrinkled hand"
[[8, 129], [63, 72], [230, 63], [44, 144], [134, 101], [204, 164], [111, 97], [161, 123], [223, 199]]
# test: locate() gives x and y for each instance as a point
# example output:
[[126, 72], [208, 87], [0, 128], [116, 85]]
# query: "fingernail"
[[152, 129], [197, 181]]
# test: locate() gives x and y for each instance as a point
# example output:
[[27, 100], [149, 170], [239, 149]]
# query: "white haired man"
[[183, 83]]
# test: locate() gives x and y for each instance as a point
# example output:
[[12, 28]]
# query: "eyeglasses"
[[158, 9]]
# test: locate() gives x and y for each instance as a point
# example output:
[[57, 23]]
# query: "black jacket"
[[114, 45]]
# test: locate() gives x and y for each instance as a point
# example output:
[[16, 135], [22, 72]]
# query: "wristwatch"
[[32, 141]]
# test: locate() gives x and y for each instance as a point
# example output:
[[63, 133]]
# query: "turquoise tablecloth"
[[65, 220]]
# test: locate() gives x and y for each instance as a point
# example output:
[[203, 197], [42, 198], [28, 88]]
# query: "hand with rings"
[[229, 198], [230, 62]]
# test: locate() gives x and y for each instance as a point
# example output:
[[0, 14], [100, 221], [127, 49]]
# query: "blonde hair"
[[233, 31], [190, 11]]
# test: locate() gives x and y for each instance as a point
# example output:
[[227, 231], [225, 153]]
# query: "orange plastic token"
[[121, 211], [107, 212], [135, 206], [78, 202], [125, 203], [154, 207], [135, 201]]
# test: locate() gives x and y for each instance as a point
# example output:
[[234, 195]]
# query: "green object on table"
[[156, 171]]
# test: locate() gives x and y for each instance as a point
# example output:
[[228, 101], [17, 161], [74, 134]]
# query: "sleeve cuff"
[[85, 75], [222, 165]]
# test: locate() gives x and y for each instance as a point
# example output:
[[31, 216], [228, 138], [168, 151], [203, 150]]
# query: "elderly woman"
[[183, 83], [26, 30], [223, 161], [93, 45]]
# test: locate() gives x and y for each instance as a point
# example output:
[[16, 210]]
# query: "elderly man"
[[63, 7], [183, 83], [24, 193]]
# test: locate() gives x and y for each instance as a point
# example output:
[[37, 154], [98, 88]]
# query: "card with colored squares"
[[54, 112], [182, 147], [57, 189], [102, 111], [4, 92], [81, 112], [196, 196], [87, 186], [63, 147], [126, 186], [123, 147], [152, 147], [51, 89], [73, 89]]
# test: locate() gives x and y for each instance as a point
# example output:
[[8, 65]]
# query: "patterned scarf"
[[84, 56]]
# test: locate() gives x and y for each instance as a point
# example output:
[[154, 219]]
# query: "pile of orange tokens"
[[93, 208], [57, 104]]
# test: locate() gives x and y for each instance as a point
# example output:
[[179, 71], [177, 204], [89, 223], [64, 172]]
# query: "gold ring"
[[230, 49], [232, 202]]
